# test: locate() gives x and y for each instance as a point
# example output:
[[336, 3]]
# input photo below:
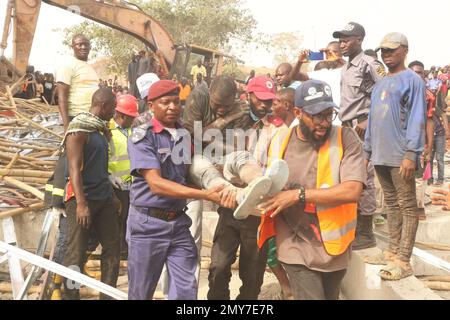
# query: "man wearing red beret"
[[157, 226]]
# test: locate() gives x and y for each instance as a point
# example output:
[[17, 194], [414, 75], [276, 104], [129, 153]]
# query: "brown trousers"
[[105, 223]]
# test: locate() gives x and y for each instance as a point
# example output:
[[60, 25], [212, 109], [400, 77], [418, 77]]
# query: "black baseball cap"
[[351, 29], [314, 96]]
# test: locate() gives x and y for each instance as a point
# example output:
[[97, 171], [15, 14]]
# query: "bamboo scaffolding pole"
[[14, 212], [18, 82], [11, 122], [35, 145], [24, 186], [11, 128], [25, 173], [26, 146], [17, 193], [39, 181], [41, 154], [20, 115], [9, 157], [26, 202], [29, 160]]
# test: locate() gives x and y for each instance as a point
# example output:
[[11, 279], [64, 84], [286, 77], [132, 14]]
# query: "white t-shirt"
[[333, 78], [83, 82]]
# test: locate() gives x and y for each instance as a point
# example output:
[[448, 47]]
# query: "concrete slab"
[[363, 283], [28, 228]]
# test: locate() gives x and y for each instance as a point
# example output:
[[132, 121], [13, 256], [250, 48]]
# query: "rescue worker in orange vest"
[[119, 162], [315, 218]]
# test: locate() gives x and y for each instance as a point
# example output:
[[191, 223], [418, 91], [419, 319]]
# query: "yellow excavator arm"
[[117, 14]]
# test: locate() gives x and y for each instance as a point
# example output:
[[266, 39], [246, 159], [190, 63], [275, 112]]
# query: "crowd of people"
[[293, 163], [38, 85]]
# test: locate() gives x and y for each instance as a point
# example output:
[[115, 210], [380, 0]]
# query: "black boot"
[[364, 233]]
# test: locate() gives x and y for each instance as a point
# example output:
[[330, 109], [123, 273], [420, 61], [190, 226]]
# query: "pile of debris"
[[30, 136]]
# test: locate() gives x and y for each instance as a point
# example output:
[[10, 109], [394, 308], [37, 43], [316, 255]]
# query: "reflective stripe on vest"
[[119, 162], [54, 191], [337, 224]]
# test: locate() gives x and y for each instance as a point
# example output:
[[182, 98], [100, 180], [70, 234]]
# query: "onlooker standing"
[[359, 76], [200, 84], [199, 68], [434, 83], [439, 143], [250, 77], [133, 67], [90, 201], [282, 75], [77, 81], [419, 68], [29, 86], [143, 84], [394, 140], [185, 91], [119, 162], [49, 88]]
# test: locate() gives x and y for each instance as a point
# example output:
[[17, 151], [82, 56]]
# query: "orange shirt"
[[184, 91]]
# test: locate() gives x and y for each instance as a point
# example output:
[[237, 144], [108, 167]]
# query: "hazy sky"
[[424, 23]]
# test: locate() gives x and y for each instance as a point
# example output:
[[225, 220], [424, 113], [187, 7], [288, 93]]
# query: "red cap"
[[263, 87], [127, 104], [161, 88]]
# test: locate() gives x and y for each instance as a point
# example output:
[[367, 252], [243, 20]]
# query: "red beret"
[[161, 88]]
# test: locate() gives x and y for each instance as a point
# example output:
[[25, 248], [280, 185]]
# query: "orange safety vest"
[[337, 224]]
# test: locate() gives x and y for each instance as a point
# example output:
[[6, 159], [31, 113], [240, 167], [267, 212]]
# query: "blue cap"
[[314, 96]]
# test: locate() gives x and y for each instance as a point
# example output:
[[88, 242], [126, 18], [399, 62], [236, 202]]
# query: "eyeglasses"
[[319, 118]]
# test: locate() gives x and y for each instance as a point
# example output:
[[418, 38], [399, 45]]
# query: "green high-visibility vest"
[[119, 162]]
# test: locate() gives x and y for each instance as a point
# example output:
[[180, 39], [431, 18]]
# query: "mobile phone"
[[316, 56]]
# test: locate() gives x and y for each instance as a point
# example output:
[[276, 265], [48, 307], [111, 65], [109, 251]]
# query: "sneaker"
[[439, 183], [278, 172], [250, 197]]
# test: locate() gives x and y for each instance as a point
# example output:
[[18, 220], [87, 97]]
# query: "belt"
[[163, 214], [359, 119]]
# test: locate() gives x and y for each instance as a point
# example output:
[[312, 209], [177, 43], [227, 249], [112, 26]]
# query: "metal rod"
[[35, 272], [63, 271]]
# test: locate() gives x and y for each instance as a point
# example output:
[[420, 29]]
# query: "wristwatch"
[[302, 195]]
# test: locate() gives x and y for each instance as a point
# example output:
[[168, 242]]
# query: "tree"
[[230, 67], [286, 46], [203, 22], [116, 45]]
